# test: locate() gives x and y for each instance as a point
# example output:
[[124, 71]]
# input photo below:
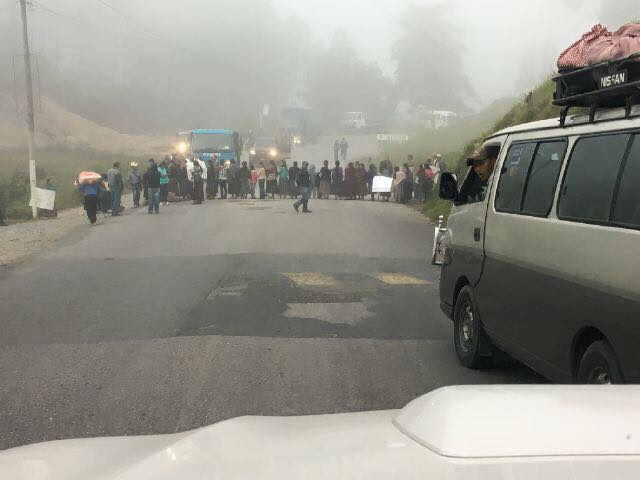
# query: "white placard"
[[392, 137], [381, 184], [43, 198], [190, 169]]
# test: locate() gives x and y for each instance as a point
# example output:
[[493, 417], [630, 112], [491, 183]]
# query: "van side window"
[[590, 179], [529, 177], [543, 177], [513, 177], [626, 211]]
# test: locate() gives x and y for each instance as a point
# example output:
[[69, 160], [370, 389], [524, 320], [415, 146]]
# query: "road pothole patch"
[[231, 291], [400, 279], [309, 279], [351, 313]]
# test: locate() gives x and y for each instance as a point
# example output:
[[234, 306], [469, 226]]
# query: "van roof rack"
[[615, 83]]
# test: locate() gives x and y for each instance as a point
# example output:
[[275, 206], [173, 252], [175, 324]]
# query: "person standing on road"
[[90, 192], [337, 179], [418, 183], [262, 178], [135, 180], [336, 150], [407, 185], [198, 183], [173, 177], [243, 176], [313, 193], [232, 179], [398, 178], [253, 181], [164, 182], [349, 186], [212, 178], [343, 149], [303, 182], [362, 175], [293, 174], [116, 185], [427, 186], [272, 182], [153, 182], [371, 173], [283, 179], [222, 178], [325, 180], [3, 223]]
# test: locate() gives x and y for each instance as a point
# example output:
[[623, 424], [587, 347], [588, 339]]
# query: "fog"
[[158, 66]]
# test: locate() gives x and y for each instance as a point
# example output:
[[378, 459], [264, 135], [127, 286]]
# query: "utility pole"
[[30, 115]]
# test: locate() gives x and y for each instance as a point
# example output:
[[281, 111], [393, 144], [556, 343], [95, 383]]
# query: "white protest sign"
[[381, 184], [190, 169], [43, 198]]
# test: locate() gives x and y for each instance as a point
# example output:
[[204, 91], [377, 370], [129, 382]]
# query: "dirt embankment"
[[57, 127]]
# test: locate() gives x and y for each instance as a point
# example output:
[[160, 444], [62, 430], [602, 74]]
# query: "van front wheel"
[[473, 347], [599, 365]]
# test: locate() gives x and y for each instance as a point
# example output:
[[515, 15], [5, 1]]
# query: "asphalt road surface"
[[162, 323]]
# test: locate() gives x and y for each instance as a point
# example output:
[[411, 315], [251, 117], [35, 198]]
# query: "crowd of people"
[[176, 178]]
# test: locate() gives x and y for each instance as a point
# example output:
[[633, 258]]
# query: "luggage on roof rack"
[[615, 83]]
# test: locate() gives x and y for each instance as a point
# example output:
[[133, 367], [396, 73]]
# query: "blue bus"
[[204, 143]]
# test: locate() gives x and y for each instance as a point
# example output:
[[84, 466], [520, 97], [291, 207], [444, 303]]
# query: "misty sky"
[[510, 45]]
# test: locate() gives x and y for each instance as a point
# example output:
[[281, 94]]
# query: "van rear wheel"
[[473, 347], [599, 365]]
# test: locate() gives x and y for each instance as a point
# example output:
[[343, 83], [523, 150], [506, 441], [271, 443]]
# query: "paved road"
[[161, 323]]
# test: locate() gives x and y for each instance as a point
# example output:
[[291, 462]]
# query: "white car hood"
[[482, 432], [353, 445]]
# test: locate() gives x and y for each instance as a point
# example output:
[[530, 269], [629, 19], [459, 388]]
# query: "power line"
[[147, 29], [78, 21]]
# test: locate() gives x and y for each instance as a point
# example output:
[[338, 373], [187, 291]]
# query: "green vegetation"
[[449, 141], [60, 164], [435, 206], [537, 106]]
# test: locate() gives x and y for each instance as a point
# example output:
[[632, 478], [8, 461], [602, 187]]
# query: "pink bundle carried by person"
[[600, 45], [89, 177]]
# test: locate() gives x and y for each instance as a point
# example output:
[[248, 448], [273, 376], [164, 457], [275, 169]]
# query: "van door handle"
[[476, 234]]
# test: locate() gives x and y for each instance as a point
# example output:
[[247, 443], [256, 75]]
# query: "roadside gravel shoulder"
[[20, 240]]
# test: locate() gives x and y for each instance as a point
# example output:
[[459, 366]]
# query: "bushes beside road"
[[60, 164]]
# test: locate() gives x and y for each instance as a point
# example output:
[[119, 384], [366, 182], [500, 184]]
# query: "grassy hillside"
[[452, 139], [537, 107]]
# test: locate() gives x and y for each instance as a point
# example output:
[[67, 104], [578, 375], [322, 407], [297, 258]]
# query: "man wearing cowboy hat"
[[135, 180]]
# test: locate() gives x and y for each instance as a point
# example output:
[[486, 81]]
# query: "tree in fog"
[[339, 81], [428, 57]]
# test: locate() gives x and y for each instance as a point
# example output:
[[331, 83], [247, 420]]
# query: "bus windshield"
[[212, 142]]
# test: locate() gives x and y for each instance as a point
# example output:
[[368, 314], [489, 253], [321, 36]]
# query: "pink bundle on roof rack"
[[600, 45], [89, 177], [620, 44], [575, 56]]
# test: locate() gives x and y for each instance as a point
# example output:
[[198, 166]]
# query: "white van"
[[547, 265]]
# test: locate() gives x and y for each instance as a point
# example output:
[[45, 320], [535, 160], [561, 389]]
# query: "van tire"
[[599, 365], [472, 344]]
